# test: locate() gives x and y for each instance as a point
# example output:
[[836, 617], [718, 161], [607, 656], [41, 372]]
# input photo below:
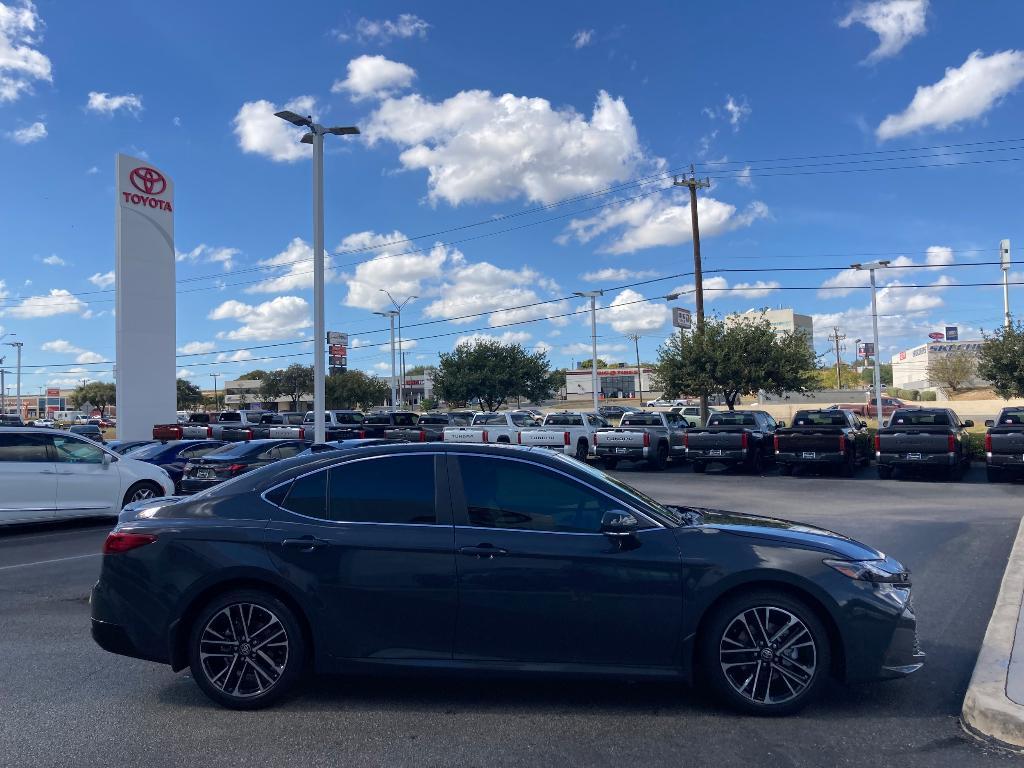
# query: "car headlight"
[[890, 579]]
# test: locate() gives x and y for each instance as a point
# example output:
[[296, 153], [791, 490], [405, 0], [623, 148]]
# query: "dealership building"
[[782, 321], [910, 367], [616, 381]]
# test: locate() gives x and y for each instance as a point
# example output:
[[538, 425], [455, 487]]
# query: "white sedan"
[[49, 474]]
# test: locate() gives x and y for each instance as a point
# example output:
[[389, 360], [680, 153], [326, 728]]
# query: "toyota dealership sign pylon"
[[145, 373]]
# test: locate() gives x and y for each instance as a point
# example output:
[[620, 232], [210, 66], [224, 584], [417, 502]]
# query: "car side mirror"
[[990, 422], [106, 460], [780, 424], [618, 523], [968, 423]]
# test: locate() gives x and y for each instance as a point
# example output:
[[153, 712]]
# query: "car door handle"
[[488, 551], [305, 544]]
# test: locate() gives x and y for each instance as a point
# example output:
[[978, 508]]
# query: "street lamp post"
[[635, 338], [401, 355], [871, 267], [1004, 264], [316, 138], [17, 389], [216, 398], [592, 295], [391, 314]]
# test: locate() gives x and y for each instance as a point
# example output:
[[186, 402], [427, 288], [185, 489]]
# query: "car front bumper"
[[904, 655]]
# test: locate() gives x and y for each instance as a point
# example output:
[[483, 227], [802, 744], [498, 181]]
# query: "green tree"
[[735, 358], [953, 370], [98, 393], [492, 372], [189, 395], [292, 382], [419, 370], [354, 389], [257, 374], [1001, 360], [586, 364]]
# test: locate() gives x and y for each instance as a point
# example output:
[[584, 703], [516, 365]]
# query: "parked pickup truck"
[[571, 432], [430, 427], [503, 427], [869, 410], [338, 425], [733, 438], [376, 424], [199, 427], [285, 426], [651, 436], [830, 437], [1004, 445], [923, 438]]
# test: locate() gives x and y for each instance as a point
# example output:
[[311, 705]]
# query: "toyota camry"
[[491, 559]]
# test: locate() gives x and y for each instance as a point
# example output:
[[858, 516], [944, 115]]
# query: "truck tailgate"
[[913, 441], [619, 438], [1008, 442], [714, 439], [811, 440], [545, 437], [465, 435], [287, 432]]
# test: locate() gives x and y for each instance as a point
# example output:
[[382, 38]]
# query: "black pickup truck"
[[924, 438], [269, 426], [733, 438], [429, 428], [832, 437], [1004, 445], [377, 424]]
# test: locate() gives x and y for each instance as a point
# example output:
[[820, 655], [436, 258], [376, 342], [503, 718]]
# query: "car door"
[[28, 478], [370, 540], [86, 484], [538, 582]]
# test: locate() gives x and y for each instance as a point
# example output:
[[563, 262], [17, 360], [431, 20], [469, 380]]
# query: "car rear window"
[[383, 419], [641, 420], [1012, 417], [489, 418], [920, 419], [564, 420], [148, 451], [811, 419], [228, 416], [732, 420], [434, 420]]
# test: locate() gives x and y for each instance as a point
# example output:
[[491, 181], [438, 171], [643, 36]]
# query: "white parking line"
[[45, 562]]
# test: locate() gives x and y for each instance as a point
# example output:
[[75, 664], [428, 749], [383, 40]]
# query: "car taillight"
[[842, 443], [567, 438], [209, 431], [362, 434], [485, 436], [519, 438], [302, 433], [878, 443], [951, 443], [775, 440], [647, 439], [686, 439], [123, 542], [248, 432], [745, 440], [423, 436], [595, 438], [988, 443], [234, 469]]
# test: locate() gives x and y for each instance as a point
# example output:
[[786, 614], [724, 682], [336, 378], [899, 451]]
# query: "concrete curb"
[[988, 711]]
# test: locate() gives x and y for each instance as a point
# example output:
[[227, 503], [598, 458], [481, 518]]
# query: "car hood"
[[787, 531]]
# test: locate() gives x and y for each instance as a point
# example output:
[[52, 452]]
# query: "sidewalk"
[[994, 705]]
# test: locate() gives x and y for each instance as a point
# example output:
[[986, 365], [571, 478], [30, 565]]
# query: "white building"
[[617, 381], [910, 367], [782, 321]]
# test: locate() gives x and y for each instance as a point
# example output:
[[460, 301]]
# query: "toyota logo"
[[148, 180]]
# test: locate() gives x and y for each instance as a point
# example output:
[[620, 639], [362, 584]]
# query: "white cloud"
[[64, 347], [54, 260], [374, 76], [582, 38], [297, 262], [542, 346], [105, 104], [477, 146], [57, 302], [89, 357], [629, 313], [280, 318], [103, 279], [965, 93], [663, 220], [185, 373], [393, 268], [896, 22], [382, 31], [744, 179], [93, 170], [846, 281], [260, 132], [508, 337], [406, 345], [211, 254], [582, 350], [71, 379], [234, 357], [29, 134], [611, 273], [3, 290], [197, 348], [738, 111], [20, 62], [472, 289]]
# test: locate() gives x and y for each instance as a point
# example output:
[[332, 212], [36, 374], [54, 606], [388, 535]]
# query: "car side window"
[[287, 451], [18, 447], [71, 450], [405, 419], [197, 450], [503, 493], [389, 489], [308, 496]]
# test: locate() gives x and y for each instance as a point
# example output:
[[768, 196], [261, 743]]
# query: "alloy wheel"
[[768, 655], [243, 650], [143, 493]]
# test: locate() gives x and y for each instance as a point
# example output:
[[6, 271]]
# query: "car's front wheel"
[[246, 649], [765, 653]]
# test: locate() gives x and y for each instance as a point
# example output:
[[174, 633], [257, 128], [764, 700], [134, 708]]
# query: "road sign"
[[866, 349], [53, 393], [338, 350], [952, 333], [337, 338], [681, 318]]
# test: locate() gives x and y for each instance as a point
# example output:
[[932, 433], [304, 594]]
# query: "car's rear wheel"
[[994, 474], [884, 473], [785, 469], [849, 466], [582, 449], [246, 649], [610, 463], [141, 492], [756, 465], [660, 459], [700, 466], [765, 653]]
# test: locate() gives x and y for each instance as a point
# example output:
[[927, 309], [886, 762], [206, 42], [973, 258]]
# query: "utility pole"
[[592, 295], [216, 399], [836, 338], [3, 390], [1004, 264], [693, 184], [391, 314], [639, 375], [17, 346]]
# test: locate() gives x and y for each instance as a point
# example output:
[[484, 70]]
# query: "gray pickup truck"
[[287, 425], [1004, 445], [650, 436], [733, 438], [430, 427], [924, 438]]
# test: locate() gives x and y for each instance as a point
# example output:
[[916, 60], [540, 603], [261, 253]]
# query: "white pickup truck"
[[501, 427], [571, 432]]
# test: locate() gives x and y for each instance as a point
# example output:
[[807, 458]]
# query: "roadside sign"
[[866, 349], [338, 350], [1004, 255], [937, 336], [952, 333], [681, 318], [53, 393], [337, 338]]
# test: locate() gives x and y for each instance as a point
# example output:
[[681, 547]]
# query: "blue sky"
[[470, 113]]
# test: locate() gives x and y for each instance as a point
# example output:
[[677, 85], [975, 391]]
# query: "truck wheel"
[[582, 449], [849, 466], [757, 463], [660, 460], [957, 472], [884, 473], [503, 440], [700, 467], [610, 463], [785, 469], [994, 474]]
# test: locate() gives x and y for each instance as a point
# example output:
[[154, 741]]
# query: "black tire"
[[141, 491], [956, 472], [756, 464], [884, 473], [700, 467], [288, 661], [994, 474], [785, 469], [660, 459], [503, 440], [849, 466], [610, 463], [787, 679], [582, 450]]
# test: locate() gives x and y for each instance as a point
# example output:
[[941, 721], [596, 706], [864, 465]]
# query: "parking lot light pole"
[[316, 138], [592, 295], [391, 314], [17, 389], [216, 399], [871, 267], [401, 355]]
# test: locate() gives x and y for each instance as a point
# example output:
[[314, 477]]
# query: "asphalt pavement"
[[63, 701]]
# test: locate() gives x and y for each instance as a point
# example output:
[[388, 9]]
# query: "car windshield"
[[433, 420], [144, 452], [819, 419], [732, 420], [641, 420], [564, 420], [920, 419], [228, 416], [1012, 417], [238, 450]]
